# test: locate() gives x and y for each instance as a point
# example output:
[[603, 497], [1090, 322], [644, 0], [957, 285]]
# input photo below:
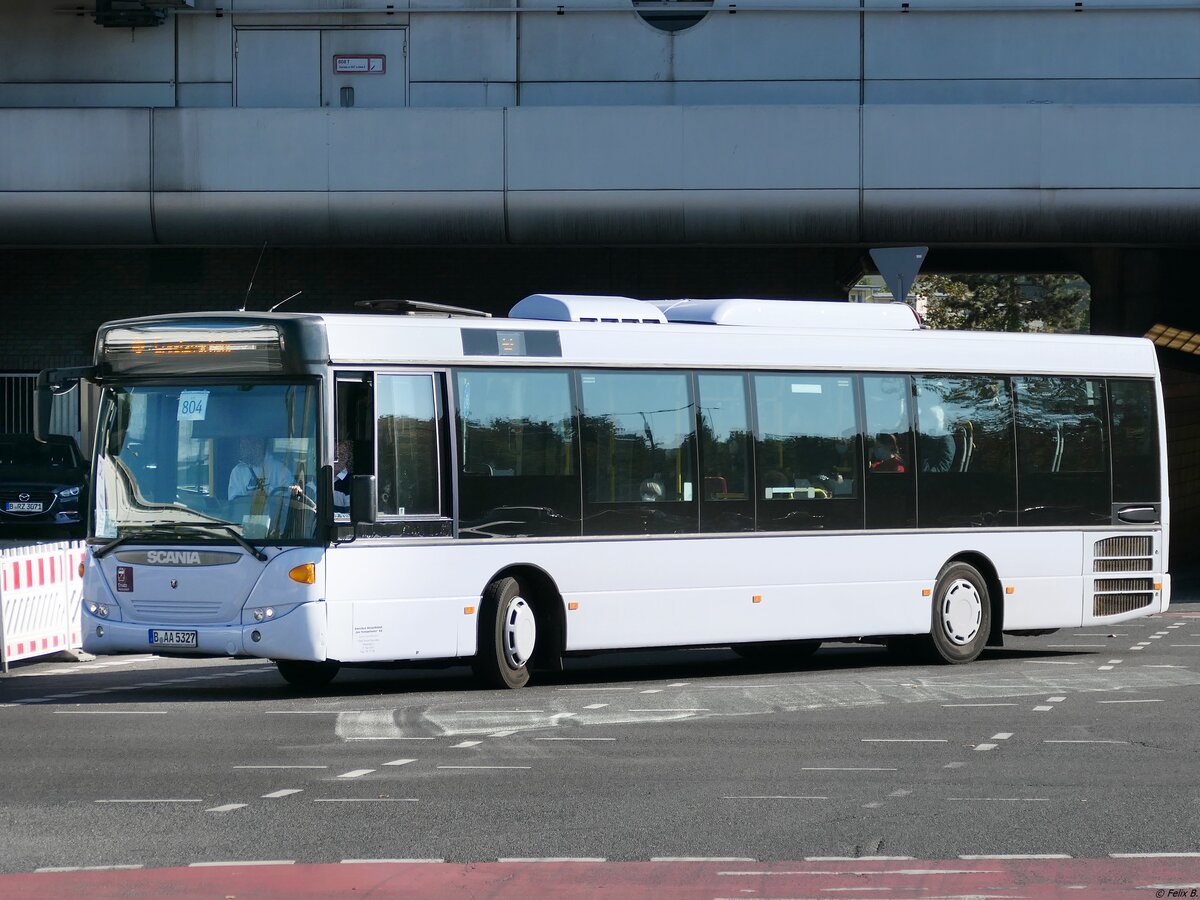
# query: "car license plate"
[[22, 507], [159, 638]]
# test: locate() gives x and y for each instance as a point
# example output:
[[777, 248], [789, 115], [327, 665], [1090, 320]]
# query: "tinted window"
[[518, 474], [966, 471], [408, 446], [1134, 423], [638, 453], [727, 478], [891, 495], [1062, 451], [806, 459]]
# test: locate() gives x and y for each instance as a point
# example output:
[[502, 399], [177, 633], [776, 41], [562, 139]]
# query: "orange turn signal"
[[574, 604], [1010, 590], [926, 592], [81, 568], [756, 598], [468, 610], [305, 574]]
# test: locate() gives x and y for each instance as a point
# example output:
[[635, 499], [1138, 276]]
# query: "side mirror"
[[50, 382], [364, 502]]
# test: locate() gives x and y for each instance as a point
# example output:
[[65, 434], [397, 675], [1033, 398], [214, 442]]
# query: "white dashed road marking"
[[356, 773], [228, 807], [285, 792], [485, 767]]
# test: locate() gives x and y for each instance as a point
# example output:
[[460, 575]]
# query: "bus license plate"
[[23, 507], [159, 638]]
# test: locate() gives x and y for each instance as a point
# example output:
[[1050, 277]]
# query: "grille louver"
[[1127, 553]]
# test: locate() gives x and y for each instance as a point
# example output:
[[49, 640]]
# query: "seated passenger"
[[885, 453]]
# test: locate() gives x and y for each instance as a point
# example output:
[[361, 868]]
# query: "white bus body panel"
[[411, 601]]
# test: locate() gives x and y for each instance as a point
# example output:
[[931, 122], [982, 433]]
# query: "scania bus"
[[596, 473]]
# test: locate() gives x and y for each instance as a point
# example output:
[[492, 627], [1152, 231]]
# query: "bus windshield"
[[239, 457]]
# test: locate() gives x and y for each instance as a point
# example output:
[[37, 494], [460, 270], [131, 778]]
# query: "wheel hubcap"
[[962, 612], [520, 632]]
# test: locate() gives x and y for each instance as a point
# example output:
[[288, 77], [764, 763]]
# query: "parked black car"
[[43, 487]]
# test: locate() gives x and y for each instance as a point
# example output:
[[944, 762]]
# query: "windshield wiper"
[[158, 528], [232, 532]]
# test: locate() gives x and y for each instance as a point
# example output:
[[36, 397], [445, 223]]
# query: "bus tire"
[[305, 673], [962, 615], [507, 635]]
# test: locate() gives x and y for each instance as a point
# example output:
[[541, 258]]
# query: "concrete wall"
[[472, 53], [602, 175]]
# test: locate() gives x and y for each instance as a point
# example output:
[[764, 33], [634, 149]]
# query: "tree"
[[1005, 302]]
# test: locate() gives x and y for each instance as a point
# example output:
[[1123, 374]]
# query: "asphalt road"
[[1081, 743]]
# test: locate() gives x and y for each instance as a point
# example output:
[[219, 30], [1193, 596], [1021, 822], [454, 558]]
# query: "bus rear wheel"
[[508, 635], [962, 615], [305, 673]]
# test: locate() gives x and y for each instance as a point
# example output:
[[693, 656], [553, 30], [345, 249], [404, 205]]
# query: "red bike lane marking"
[[1033, 878]]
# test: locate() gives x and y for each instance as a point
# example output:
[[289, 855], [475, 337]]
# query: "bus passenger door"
[[889, 460], [391, 596]]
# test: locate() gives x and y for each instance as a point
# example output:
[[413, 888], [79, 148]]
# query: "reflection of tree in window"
[[407, 432], [1061, 425], [637, 428], [517, 454], [725, 437], [975, 412], [806, 436]]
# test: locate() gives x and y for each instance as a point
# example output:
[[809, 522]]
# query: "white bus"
[[595, 473]]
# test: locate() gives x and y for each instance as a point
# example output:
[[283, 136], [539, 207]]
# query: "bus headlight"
[[101, 610], [266, 613]]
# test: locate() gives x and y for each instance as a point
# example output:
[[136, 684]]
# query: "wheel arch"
[[548, 611], [985, 567]]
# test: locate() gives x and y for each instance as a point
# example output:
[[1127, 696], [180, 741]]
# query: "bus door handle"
[[1140, 515]]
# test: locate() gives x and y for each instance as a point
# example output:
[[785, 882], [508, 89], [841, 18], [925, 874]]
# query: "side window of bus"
[[639, 449], [726, 453], [966, 462], [354, 443], [518, 475], [1062, 449], [806, 452], [888, 434], [408, 470], [1135, 452]]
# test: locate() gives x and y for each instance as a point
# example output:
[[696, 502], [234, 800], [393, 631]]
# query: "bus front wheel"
[[507, 635], [962, 615], [305, 673]]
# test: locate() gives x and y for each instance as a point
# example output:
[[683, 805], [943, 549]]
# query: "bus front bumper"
[[298, 635]]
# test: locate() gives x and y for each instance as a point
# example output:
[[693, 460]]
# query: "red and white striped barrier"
[[40, 587]]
